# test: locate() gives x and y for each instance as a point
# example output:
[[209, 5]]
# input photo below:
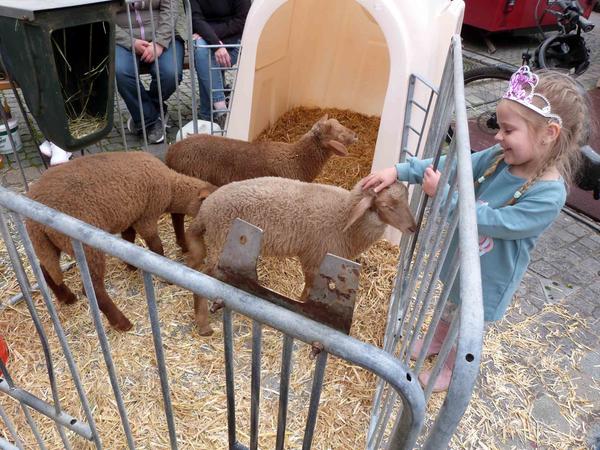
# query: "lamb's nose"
[[412, 228]]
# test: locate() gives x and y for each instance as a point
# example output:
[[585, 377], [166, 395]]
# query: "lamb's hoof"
[[123, 325], [68, 299], [130, 267], [183, 246], [205, 330]]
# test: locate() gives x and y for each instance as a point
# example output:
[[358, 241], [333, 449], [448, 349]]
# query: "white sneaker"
[[57, 154]]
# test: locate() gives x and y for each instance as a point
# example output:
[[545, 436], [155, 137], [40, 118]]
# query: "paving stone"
[[593, 436], [578, 230], [590, 364], [547, 411], [544, 269]]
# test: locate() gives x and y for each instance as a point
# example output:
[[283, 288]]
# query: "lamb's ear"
[[337, 147], [206, 191], [357, 212], [323, 119]]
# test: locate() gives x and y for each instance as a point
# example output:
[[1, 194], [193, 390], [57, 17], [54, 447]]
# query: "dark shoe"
[[155, 133], [133, 128], [220, 120]]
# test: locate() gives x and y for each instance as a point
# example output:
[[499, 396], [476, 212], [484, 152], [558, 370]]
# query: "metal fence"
[[398, 418]]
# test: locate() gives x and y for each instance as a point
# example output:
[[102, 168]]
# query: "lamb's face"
[[332, 130], [392, 207], [333, 135]]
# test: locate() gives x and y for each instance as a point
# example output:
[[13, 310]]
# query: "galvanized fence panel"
[[293, 326], [447, 236], [416, 304]]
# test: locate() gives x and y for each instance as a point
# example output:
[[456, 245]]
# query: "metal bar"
[[315, 396], [23, 112], [120, 113], [175, 64], [191, 47], [431, 286], [66, 420], [34, 287], [26, 290], [5, 445], [230, 388], [95, 313], [24, 407], [14, 147], [35, 266], [255, 384], [157, 68], [284, 389], [470, 324], [365, 355], [160, 356], [138, 81], [442, 356], [437, 315], [11, 428]]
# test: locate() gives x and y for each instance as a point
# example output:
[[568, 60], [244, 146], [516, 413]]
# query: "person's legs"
[[168, 69], [219, 81], [201, 56], [126, 85]]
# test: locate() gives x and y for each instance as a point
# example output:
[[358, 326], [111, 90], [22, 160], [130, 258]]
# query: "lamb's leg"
[[309, 276], [148, 230], [61, 291], [178, 227], [117, 319], [201, 308], [129, 236], [201, 315], [49, 257]]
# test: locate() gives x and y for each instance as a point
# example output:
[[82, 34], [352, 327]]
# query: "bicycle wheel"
[[484, 87], [567, 52]]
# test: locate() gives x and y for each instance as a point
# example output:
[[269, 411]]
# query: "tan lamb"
[[119, 192], [306, 220], [220, 160]]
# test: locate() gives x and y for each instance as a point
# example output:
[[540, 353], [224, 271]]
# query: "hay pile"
[[195, 365]]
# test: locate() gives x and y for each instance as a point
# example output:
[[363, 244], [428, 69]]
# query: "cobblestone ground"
[[565, 268]]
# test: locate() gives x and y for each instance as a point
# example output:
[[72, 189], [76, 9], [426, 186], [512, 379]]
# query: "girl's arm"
[[527, 218]]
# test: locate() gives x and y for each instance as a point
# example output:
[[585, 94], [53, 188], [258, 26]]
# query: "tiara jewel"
[[521, 89]]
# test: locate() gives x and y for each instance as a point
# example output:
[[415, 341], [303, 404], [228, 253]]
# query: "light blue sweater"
[[507, 234]]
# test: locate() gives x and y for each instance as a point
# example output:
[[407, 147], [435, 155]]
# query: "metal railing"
[[416, 304]]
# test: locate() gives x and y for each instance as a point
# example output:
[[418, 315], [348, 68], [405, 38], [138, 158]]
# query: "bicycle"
[[567, 50]]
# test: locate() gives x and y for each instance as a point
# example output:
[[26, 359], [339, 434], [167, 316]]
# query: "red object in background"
[[507, 15], [3, 351]]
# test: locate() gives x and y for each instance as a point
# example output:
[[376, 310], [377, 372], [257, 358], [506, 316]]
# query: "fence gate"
[[398, 417]]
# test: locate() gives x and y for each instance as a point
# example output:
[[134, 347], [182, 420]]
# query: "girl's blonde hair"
[[569, 100]]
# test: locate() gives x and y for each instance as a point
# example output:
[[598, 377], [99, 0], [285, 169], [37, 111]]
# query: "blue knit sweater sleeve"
[[528, 217]]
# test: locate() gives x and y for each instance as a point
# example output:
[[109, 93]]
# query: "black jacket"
[[219, 20]]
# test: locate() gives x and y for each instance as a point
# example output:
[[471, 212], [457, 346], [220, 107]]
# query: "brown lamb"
[[119, 192], [306, 220], [220, 160]]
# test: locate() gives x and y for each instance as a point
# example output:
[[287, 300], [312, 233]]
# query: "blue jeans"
[[126, 82], [201, 63]]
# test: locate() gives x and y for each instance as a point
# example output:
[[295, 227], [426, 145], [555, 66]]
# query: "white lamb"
[[305, 220]]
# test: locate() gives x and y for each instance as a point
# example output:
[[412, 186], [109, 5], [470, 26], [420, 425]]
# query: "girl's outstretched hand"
[[380, 179], [431, 179]]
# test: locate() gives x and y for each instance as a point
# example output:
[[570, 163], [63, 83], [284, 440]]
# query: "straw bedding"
[[500, 408]]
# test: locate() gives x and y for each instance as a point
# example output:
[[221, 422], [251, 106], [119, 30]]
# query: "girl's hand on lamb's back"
[[431, 179], [380, 179]]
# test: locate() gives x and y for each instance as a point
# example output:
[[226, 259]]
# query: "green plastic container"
[[61, 54]]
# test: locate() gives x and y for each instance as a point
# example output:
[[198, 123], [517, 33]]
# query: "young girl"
[[520, 184]]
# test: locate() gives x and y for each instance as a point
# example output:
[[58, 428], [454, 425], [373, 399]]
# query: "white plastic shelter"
[[347, 54]]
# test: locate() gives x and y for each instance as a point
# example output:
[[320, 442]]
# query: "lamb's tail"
[[196, 244]]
